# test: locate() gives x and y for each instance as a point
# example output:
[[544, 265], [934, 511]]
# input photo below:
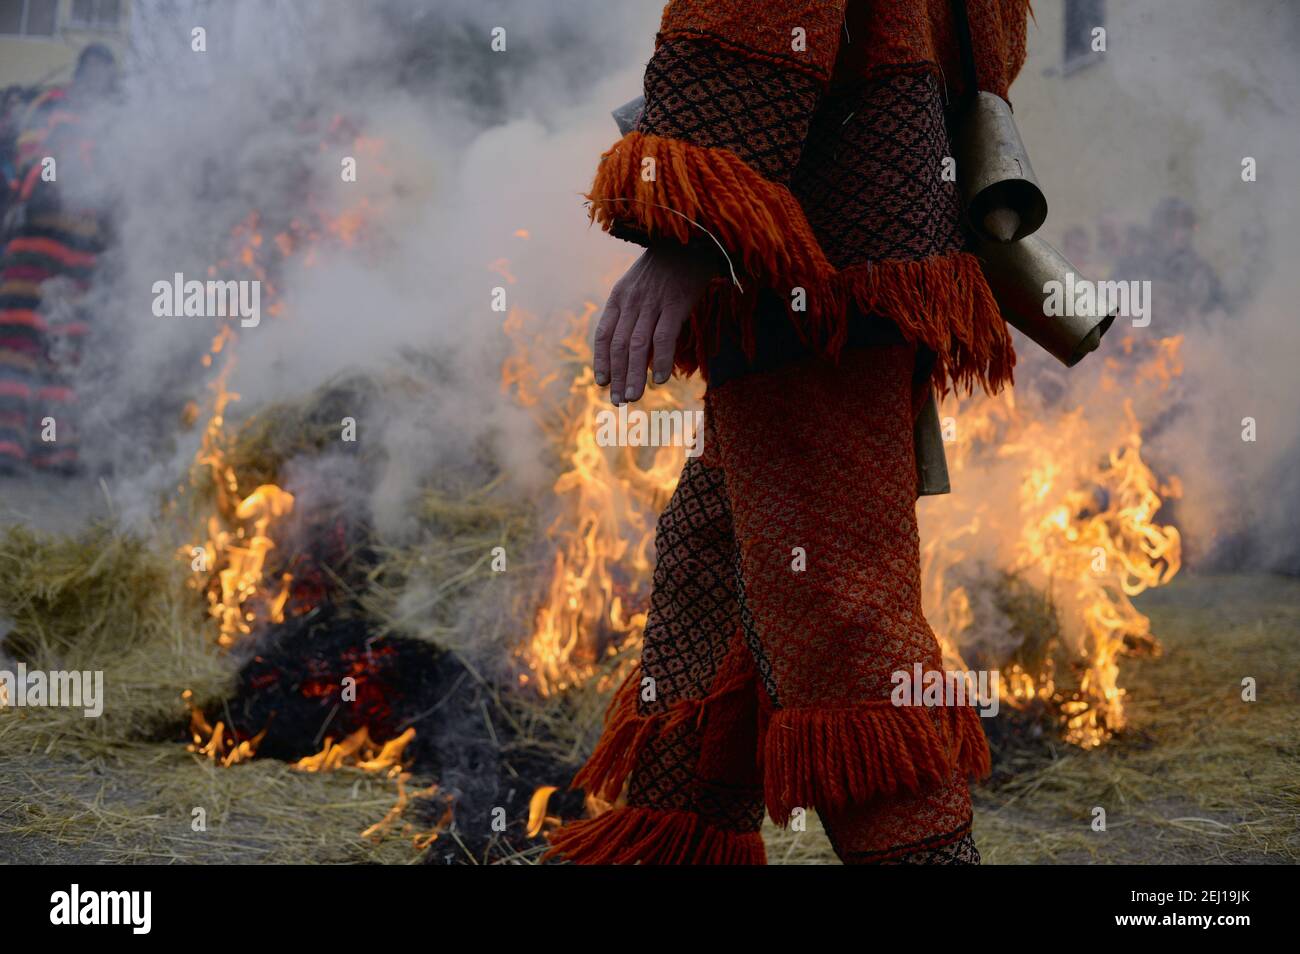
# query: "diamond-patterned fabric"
[[712, 97], [870, 178], [690, 635], [831, 474], [865, 160], [911, 828], [693, 603]]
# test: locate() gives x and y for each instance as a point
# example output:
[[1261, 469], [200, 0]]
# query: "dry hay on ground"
[[1198, 775], [123, 787]]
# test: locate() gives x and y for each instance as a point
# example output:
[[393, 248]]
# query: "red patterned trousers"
[[787, 594]]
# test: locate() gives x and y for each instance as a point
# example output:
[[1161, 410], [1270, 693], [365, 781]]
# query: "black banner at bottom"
[[132, 904]]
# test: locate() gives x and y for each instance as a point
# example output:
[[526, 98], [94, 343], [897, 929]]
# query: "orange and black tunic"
[[807, 140]]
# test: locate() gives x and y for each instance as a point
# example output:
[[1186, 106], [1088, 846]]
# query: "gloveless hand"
[[645, 312]]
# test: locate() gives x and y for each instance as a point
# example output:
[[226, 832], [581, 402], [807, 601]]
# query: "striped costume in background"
[[808, 139], [46, 263]]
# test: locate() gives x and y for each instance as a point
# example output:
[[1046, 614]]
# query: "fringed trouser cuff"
[[786, 596]]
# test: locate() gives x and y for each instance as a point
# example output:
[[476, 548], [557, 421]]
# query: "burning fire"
[[239, 595], [537, 817], [238, 538], [214, 742], [361, 753], [610, 502], [1073, 512], [244, 594], [1083, 527], [358, 750], [239, 530]]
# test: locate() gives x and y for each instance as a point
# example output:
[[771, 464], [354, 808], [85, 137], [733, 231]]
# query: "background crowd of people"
[[49, 247]]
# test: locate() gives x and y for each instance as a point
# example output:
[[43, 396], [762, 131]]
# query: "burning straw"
[[123, 787]]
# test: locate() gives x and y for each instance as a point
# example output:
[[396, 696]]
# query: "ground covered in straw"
[[123, 787], [1199, 775]]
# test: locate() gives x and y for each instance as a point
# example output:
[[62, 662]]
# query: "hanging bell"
[[1000, 194], [1019, 275]]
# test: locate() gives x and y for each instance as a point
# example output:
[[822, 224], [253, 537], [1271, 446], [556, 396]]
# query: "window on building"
[[28, 17], [95, 14], [1081, 18]]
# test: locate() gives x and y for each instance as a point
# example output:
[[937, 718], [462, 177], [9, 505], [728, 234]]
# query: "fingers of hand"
[[619, 344], [639, 354], [600, 347], [665, 344]]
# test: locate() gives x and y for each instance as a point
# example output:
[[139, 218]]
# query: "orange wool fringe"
[[627, 731], [942, 302], [694, 188], [652, 837], [829, 758]]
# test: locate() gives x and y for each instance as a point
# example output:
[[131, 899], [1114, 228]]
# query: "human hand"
[[645, 312]]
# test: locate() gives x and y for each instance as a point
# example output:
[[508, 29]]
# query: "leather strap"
[[970, 82]]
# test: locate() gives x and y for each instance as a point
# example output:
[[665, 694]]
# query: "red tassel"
[[943, 303], [627, 731], [647, 836], [830, 758], [972, 753], [695, 188]]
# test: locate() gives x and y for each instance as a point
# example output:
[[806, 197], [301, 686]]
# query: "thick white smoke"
[[1185, 92], [479, 144], [474, 145]]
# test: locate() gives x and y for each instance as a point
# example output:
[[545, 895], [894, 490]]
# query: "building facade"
[[40, 39], [1183, 93]]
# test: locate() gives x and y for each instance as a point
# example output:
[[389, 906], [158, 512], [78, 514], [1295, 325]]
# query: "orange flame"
[[537, 817], [213, 742], [1093, 558], [238, 531], [609, 498], [240, 528], [1082, 527], [361, 753]]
